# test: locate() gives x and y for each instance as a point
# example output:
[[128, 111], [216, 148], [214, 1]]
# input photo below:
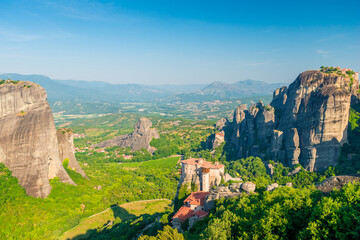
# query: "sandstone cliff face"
[[140, 138], [65, 139], [306, 123], [253, 128], [28, 143]]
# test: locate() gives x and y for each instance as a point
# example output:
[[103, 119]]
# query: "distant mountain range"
[[98, 91], [87, 91], [222, 90]]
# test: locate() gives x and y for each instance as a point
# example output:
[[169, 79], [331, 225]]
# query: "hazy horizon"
[[164, 42], [146, 84]]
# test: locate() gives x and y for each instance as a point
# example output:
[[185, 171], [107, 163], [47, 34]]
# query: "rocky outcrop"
[[233, 190], [336, 182], [218, 139], [28, 142], [222, 192], [221, 124], [252, 129], [140, 138], [272, 187], [65, 139], [248, 187], [295, 171], [305, 123], [228, 177]]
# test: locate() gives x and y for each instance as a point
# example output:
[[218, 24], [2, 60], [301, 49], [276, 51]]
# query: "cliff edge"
[[28, 142], [305, 123], [65, 139]]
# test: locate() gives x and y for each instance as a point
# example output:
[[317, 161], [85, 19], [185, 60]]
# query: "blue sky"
[[177, 42]]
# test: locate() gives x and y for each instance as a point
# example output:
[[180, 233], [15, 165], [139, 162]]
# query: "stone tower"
[[205, 179]]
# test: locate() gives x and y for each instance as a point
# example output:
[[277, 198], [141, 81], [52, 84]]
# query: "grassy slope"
[[134, 208], [26, 217]]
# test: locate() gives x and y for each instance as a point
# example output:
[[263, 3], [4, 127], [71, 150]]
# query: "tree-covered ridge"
[[285, 213]]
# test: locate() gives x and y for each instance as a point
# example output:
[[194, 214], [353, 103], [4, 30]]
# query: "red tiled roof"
[[201, 213], [219, 134], [202, 163], [184, 213], [197, 198]]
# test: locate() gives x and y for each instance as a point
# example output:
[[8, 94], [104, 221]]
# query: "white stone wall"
[[205, 182]]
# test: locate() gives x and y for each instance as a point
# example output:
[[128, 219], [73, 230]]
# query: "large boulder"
[[248, 187], [272, 187]]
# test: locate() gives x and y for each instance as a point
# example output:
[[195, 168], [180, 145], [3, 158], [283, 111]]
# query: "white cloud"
[[321, 52]]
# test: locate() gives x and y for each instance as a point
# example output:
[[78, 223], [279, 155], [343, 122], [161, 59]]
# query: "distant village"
[[92, 150]]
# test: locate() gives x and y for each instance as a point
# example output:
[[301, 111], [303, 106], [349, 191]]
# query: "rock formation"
[[272, 187], [140, 138], [253, 129], [65, 139], [221, 124], [305, 123], [336, 182], [28, 142], [233, 190], [219, 138], [248, 187]]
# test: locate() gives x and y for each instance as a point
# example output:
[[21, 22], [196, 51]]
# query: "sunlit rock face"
[[65, 139], [305, 123], [140, 138], [252, 129], [28, 142]]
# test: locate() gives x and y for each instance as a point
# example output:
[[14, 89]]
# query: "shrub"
[[66, 163]]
